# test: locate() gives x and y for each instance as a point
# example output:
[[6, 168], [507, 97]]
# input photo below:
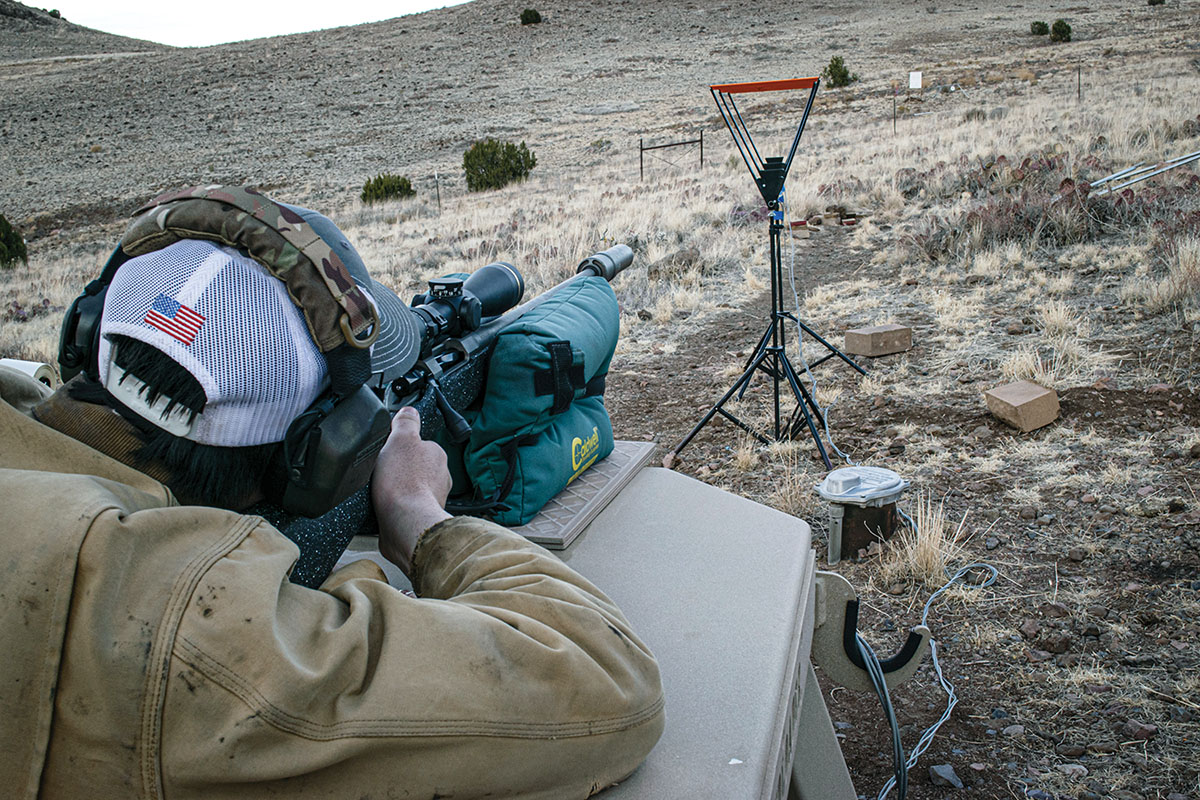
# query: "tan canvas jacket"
[[158, 650]]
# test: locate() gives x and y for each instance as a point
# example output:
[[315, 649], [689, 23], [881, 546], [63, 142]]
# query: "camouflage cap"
[[399, 341]]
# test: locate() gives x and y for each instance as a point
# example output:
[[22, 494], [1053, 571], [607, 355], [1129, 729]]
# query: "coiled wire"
[[899, 780]]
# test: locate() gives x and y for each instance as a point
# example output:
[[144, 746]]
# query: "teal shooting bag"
[[541, 420]]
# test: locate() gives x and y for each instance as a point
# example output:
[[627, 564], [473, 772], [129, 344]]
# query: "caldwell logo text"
[[583, 452]]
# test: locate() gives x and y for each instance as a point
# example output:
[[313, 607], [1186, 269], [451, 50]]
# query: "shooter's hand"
[[409, 488]]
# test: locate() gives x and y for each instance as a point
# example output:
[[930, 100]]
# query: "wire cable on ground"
[[875, 671], [899, 781]]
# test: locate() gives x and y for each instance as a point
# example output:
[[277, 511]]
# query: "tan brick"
[[879, 340], [1024, 405]]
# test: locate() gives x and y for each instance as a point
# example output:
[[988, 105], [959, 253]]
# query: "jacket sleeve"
[[509, 676]]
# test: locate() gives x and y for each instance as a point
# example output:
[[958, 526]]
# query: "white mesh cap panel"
[[231, 324]]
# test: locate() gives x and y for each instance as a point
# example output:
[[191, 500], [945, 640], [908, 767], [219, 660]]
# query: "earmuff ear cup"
[[79, 340], [331, 454]]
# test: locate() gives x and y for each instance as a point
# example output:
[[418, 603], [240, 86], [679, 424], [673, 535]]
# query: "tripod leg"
[[833, 350], [802, 397], [739, 383], [743, 426], [793, 426], [757, 357]]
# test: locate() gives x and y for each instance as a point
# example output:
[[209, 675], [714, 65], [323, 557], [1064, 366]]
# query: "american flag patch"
[[174, 318]]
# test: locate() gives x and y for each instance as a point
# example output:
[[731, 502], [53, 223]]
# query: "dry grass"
[[1057, 363], [793, 487], [1180, 284], [746, 455], [924, 555], [1060, 322]]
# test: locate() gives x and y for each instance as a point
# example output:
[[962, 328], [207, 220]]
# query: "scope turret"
[[454, 305]]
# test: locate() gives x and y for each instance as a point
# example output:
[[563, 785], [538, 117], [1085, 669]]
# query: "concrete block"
[[1024, 405], [879, 340]]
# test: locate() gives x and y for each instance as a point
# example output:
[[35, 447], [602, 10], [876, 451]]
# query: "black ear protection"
[[79, 340], [329, 450]]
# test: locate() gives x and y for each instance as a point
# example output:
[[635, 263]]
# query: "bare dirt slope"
[[319, 112]]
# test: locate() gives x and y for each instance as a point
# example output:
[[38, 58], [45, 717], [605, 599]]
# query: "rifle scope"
[[454, 306]]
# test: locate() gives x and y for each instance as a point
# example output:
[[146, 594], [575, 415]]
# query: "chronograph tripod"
[[770, 354]]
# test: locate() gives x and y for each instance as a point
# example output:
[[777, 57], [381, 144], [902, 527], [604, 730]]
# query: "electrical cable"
[[900, 780], [875, 672], [812, 381]]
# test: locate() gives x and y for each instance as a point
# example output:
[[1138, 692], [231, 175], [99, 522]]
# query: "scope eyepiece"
[[454, 305]]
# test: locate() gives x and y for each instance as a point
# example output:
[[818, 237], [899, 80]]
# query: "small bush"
[[12, 245], [1060, 31], [837, 73], [55, 13], [490, 164], [386, 186], [1155, 2], [530, 16], [1039, 28], [975, 115]]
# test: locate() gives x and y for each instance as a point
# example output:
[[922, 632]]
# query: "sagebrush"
[[1038, 28], [530, 16], [491, 164]]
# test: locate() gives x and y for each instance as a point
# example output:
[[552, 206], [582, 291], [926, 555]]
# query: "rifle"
[[459, 320]]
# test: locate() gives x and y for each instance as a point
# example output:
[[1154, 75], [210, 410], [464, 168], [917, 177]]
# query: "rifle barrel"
[[606, 264]]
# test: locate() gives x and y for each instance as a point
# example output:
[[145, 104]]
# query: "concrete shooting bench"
[[724, 591]]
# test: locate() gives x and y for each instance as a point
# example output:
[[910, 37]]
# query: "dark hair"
[[200, 474]]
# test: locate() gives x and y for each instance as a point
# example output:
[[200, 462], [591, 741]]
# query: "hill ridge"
[[28, 34]]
